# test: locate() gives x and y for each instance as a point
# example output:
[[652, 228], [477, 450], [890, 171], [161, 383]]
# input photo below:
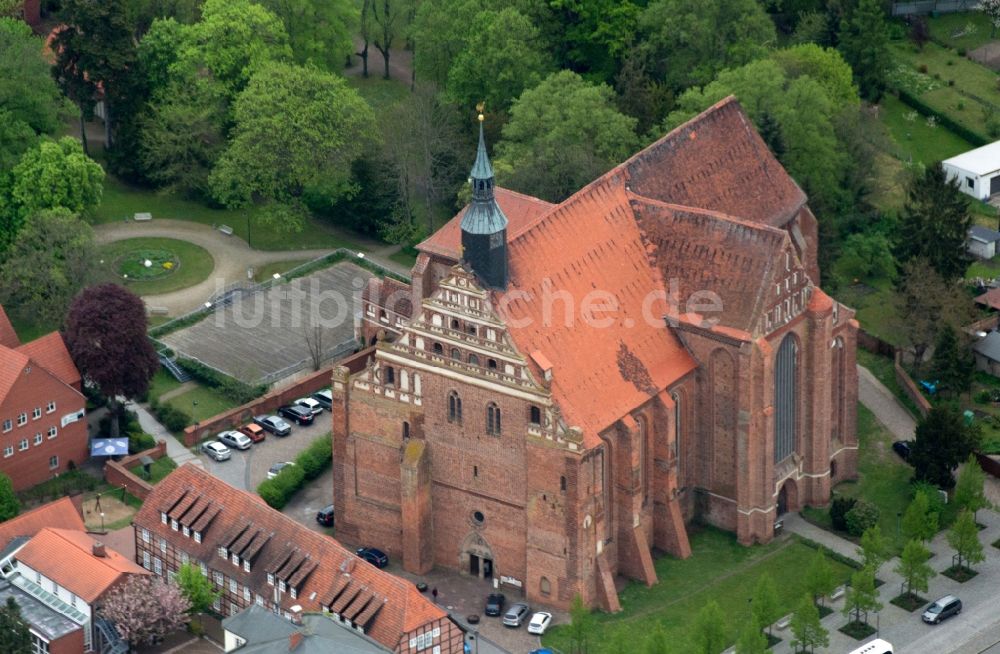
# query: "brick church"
[[564, 387]]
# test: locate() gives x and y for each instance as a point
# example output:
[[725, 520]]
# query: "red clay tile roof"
[[521, 210], [990, 298], [66, 557], [386, 605], [12, 363], [62, 513], [8, 337], [50, 352]]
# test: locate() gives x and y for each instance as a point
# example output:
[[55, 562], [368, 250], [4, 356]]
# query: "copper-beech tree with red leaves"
[[106, 336], [145, 608]]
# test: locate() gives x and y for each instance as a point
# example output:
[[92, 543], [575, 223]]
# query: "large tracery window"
[[492, 419], [786, 396], [454, 407]]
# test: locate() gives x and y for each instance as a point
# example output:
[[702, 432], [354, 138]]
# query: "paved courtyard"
[[267, 332]]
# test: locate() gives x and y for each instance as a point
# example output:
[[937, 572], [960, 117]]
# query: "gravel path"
[[880, 401]]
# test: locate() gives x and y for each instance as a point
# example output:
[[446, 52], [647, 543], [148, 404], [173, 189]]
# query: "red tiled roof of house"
[[990, 298], [50, 352], [8, 337], [521, 210], [62, 513], [12, 363], [67, 558], [327, 574]]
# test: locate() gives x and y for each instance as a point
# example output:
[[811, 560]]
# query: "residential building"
[[258, 556], [977, 171], [42, 428], [982, 242], [564, 387], [256, 630]]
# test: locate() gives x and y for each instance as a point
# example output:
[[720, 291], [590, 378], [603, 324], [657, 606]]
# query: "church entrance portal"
[[787, 498], [476, 557]]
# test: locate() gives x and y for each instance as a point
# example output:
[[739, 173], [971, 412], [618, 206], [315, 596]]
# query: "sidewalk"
[[149, 424], [881, 401]]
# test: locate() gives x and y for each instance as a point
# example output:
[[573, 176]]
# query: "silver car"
[[516, 614], [235, 439], [216, 450]]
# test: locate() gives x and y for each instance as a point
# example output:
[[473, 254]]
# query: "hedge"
[[923, 109], [234, 389], [836, 556], [309, 464], [173, 419]]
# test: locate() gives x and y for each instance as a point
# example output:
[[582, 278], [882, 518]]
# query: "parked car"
[[325, 516], [376, 557], [539, 623], [216, 450], [235, 439], [902, 448], [309, 403], [296, 413], [273, 471], [494, 604], [274, 424], [324, 397], [942, 609], [516, 614], [254, 432]]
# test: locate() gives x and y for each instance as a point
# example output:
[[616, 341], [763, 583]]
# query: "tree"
[[919, 522], [366, 29], [866, 255], [864, 42], [297, 129], [639, 94], [935, 223], [952, 364], [440, 31], [692, 40], [27, 90], [751, 639], [809, 632], [502, 57], [964, 538], [992, 10], [196, 587], [861, 596], [581, 626], [709, 630], [561, 135], [913, 568], [875, 549], [820, 580], [106, 336], [53, 174], [969, 493], [319, 31], [51, 259], [9, 504], [765, 606], [15, 638], [145, 608], [389, 20], [862, 516], [943, 440], [920, 31]]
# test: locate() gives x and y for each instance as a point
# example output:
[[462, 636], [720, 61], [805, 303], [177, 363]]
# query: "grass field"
[[404, 257], [719, 569], [917, 140], [194, 263], [380, 93], [162, 382], [968, 30], [201, 403], [875, 309]]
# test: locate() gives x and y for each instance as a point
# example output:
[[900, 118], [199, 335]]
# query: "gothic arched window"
[[786, 398], [492, 419], [454, 407]]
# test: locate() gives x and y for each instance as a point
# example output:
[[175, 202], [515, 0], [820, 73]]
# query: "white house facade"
[[977, 171]]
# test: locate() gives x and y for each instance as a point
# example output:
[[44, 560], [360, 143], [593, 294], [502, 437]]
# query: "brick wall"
[[910, 387], [270, 402], [117, 473], [71, 643]]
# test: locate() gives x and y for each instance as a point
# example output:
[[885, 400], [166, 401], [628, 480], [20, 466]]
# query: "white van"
[[877, 646]]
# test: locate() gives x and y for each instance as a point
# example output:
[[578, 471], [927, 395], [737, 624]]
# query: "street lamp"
[[102, 522]]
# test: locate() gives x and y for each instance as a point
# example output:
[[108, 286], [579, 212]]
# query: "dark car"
[[324, 397], [377, 558], [942, 609], [296, 413], [325, 516], [274, 424], [494, 604], [902, 448]]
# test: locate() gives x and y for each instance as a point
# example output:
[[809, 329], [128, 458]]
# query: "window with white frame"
[[8, 451], [146, 560], [51, 407], [158, 566], [7, 425], [233, 586], [197, 536], [24, 444], [217, 604], [22, 419], [218, 578], [36, 413], [270, 579], [246, 565], [295, 593], [186, 531], [53, 432], [53, 462], [174, 524], [259, 600], [163, 544], [145, 535], [38, 439], [235, 559], [204, 569], [163, 517], [223, 552], [246, 593], [184, 557], [38, 646]]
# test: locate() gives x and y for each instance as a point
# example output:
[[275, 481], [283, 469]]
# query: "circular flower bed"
[[146, 263]]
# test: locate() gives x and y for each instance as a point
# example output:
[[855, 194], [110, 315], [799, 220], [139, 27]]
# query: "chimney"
[[99, 550], [294, 640], [296, 612]]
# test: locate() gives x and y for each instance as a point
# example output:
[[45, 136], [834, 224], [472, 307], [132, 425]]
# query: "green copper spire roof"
[[484, 215], [482, 168]]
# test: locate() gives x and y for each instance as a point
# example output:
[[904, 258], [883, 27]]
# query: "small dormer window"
[[281, 586], [246, 565], [174, 525], [223, 552], [270, 579], [294, 594], [163, 517], [186, 531], [197, 536], [235, 559]]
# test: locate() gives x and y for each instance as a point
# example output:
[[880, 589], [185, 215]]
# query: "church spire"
[[484, 225]]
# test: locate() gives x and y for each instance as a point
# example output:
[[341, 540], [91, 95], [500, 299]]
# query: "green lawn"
[[160, 469], [121, 201], [201, 403], [404, 257], [194, 263], [719, 569], [917, 141], [875, 309], [883, 478], [985, 269], [967, 30], [162, 382], [28, 331], [265, 272], [380, 93]]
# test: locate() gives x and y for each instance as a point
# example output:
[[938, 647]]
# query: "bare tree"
[[388, 16], [366, 34], [313, 335]]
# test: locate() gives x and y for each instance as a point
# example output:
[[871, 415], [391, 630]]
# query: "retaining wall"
[[117, 473]]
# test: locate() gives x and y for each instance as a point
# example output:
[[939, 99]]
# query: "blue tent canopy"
[[108, 446]]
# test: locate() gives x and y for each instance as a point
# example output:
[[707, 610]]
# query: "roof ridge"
[[710, 213]]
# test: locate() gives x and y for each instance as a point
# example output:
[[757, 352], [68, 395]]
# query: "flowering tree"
[[145, 608], [992, 10]]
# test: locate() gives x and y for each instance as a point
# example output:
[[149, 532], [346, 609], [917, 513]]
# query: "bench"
[[142, 217], [226, 229], [783, 623], [158, 311], [837, 593]]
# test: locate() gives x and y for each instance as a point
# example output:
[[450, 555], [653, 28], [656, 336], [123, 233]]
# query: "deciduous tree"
[[389, 18], [820, 580], [440, 31], [992, 10], [196, 588], [27, 91], [864, 41], [913, 568], [861, 596], [751, 639], [297, 128], [964, 538], [9, 504], [15, 638], [106, 336], [875, 549], [709, 631], [319, 31], [808, 630], [765, 606], [935, 223], [561, 135], [969, 489], [943, 440], [581, 626], [919, 522], [145, 608]]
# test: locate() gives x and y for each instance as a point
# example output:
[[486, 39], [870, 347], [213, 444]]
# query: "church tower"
[[484, 226]]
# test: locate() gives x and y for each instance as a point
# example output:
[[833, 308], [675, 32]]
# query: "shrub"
[[936, 504], [309, 464], [922, 68], [314, 459], [862, 515], [838, 511], [983, 396], [139, 441], [232, 388], [961, 52], [171, 418]]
